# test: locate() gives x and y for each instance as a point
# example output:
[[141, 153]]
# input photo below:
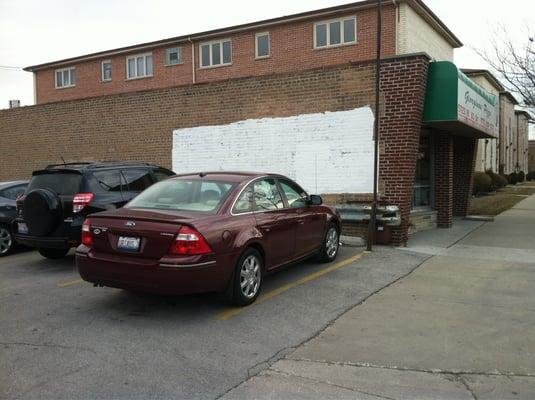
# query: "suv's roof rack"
[[96, 164], [67, 164], [104, 164]]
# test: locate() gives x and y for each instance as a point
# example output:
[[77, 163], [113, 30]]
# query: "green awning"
[[458, 105]]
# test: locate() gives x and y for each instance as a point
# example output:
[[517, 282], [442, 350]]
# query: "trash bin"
[[383, 234]]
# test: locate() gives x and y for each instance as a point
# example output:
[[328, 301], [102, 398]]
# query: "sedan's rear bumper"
[[156, 276]]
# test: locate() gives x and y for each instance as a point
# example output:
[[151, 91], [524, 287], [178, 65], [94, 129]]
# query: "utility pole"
[[373, 216]]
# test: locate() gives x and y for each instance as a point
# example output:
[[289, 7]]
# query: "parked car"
[[59, 197], [9, 191], [207, 232]]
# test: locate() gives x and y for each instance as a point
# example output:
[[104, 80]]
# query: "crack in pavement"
[[288, 374], [408, 369], [465, 384]]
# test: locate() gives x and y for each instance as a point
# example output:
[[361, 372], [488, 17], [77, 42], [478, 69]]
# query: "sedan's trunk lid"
[[137, 233]]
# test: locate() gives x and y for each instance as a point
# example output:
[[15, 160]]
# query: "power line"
[[10, 68]]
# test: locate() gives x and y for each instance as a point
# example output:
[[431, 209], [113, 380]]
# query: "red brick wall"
[[403, 90], [138, 126], [444, 156], [291, 50], [464, 160]]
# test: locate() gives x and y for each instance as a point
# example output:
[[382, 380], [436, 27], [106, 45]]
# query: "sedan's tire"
[[331, 244], [7, 243], [53, 254], [247, 279]]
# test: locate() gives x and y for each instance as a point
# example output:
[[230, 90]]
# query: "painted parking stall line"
[[70, 283], [232, 312]]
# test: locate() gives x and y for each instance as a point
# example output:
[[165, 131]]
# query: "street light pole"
[[373, 216]]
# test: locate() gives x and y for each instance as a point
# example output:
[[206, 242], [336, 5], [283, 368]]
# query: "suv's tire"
[[41, 211], [7, 243], [247, 278], [330, 245], [53, 254]]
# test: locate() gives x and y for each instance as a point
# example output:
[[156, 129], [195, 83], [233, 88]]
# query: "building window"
[[106, 71], [334, 33], [216, 54], [139, 66], [174, 56], [65, 78], [262, 45]]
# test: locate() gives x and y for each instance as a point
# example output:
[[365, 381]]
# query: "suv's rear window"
[[184, 195], [60, 183]]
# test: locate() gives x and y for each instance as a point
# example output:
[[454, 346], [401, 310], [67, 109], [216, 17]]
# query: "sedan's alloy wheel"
[[6, 241], [250, 276], [331, 242]]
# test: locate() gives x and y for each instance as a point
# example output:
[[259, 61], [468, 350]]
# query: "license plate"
[[128, 243], [22, 228]]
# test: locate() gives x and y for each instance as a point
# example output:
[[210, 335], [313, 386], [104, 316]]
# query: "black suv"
[[59, 197]]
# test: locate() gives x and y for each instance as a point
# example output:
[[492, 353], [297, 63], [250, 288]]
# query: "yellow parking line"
[[70, 283], [231, 312]]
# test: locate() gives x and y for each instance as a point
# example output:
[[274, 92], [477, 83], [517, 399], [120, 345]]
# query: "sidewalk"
[[461, 326]]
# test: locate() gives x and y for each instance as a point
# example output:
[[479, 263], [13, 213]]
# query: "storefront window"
[[423, 182]]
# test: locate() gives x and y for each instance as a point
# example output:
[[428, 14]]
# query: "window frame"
[[256, 36], [180, 51], [102, 70], [210, 44], [328, 32], [135, 57], [70, 85]]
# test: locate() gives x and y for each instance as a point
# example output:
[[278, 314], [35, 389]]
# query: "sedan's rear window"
[[62, 183], [185, 195]]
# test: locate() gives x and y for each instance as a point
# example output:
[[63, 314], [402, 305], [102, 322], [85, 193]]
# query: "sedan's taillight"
[[81, 200], [87, 237], [190, 242]]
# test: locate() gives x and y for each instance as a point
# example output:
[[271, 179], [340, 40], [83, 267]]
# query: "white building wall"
[[488, 149], [328, 152], [414, 34]]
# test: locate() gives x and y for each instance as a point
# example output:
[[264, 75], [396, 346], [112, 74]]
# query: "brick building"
[[291, 95], [531, 156], [521, 141]]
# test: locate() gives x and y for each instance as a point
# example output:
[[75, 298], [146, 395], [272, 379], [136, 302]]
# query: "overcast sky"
[[37, 31]]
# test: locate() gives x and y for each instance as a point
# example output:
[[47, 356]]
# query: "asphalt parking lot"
[[61, 338]]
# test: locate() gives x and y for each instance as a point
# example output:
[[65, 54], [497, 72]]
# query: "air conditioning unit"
[[14, 103]]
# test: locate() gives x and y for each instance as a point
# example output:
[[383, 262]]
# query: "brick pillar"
[[403, 85], [464, 159], [444, 179]]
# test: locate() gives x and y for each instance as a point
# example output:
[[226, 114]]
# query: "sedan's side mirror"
[[314, 200]]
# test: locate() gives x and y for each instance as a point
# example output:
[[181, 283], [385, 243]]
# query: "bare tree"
[[514, 62]]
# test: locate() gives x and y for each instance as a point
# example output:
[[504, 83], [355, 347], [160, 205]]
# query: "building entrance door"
[[424, 188]]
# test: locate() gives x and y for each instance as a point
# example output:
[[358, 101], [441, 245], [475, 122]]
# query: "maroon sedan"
[[207, 232]]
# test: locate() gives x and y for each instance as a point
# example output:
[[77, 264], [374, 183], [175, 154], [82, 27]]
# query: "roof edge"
[[418, 5]]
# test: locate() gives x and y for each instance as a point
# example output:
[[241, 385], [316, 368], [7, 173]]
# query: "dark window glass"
[[227, 52], [106, 71], [60, 183], [137, 180], [244, 203], [162, 174], [294, 194], [205, 55], [262, 45], [109, 181], [185, 195], [334, 33], [267, 195], [321, 35], [349, 30], [13, 192], [216, 54]]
